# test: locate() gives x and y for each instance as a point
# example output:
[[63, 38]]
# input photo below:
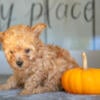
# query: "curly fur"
[[37, 67]]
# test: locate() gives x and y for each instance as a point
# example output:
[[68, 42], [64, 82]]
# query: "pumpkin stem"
[[84, 58]]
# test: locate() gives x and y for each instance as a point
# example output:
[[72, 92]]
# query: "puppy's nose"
[[19, 63]]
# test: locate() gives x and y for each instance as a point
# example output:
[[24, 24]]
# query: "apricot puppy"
[[37, 67]]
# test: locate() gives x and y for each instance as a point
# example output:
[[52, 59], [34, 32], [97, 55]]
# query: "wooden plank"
[[97, 23]]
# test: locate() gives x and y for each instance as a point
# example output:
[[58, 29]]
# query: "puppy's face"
[[19, 50], [19, 44]]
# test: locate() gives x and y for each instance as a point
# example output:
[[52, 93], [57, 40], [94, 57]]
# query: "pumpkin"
[[82, 80]]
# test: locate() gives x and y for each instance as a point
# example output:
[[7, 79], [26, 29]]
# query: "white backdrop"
[[70, 22]]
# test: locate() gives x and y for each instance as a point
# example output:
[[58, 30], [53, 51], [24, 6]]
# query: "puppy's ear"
[[1, 36], [37, 29]]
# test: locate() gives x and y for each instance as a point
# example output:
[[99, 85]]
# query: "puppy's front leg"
[[34, 81], [10, 84]]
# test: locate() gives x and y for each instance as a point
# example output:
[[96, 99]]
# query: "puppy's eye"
[[11, 52], [27, 50]]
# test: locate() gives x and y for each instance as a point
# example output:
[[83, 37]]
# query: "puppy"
[[37, 67]]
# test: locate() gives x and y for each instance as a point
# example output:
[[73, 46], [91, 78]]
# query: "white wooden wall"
[[71, 24]]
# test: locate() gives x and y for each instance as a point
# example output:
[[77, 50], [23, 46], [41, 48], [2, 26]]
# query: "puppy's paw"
[[25, 92], [36, 91], [2, 87]]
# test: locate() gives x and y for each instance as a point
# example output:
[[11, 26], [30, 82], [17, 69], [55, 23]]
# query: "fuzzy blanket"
[[12, 95]]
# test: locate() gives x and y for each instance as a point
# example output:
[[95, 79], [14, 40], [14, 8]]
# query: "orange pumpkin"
[[82, 80]]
